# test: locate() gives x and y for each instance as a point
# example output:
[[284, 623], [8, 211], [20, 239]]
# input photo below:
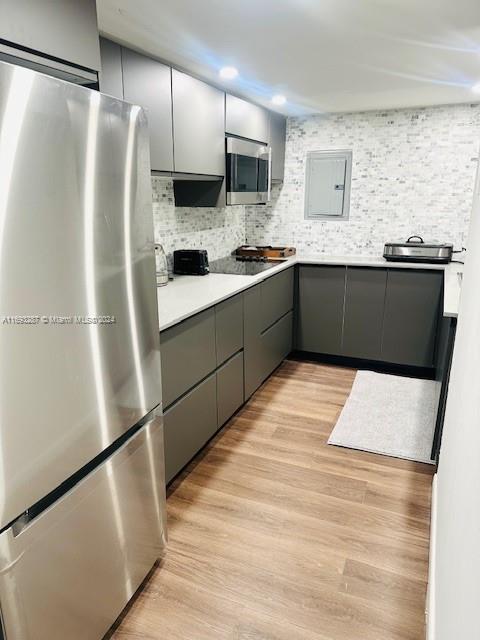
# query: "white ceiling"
[[324, 55]]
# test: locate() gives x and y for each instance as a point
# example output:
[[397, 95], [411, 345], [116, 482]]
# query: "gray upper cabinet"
[[147, 82], [64, 29], [412, 311], [198, 126], [364, 306], [246, 120], [278, 132], [321, 293], [110, 77]]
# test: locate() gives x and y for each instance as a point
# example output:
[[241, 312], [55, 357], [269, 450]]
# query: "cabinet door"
[[252, 327], [229, 388], [188, 354], [229, 327], [276, 344], [321, 292], [198, 126], [147, 83], [277, 297], [189, 424], [278, 132], [110, 77], [364, 307], [412, 311], [247, 120], [65, 29]]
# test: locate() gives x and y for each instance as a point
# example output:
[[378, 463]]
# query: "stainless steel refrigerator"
[[82, 492]]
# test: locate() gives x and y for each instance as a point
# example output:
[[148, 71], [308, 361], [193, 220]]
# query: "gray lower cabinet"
[[321, 292], [390, 315], [278, 131], [253, 353], [412, 311], [229, 388], [198, 126], [277, 297], [214, 361], [268, 313], [188, 425], [188, 354], [111, 78], [147, 82], [63, 29], [247, 120], [364, 308], [229, 327], [276, 344]]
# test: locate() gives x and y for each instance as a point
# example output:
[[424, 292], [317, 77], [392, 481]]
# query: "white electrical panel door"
[[327, 185]]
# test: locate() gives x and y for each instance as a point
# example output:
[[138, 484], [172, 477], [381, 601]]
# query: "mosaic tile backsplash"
[[413, 172], [219, 230]]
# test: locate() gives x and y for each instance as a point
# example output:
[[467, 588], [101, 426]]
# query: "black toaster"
[[190, 262]]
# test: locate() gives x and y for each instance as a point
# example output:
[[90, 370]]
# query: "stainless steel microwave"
[[249, 168]]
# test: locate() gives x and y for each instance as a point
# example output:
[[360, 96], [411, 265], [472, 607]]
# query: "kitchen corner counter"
[[186, 296], [452, 288]]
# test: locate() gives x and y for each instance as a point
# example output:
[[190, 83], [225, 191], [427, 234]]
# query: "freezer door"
[[79, 339], [71, 571]]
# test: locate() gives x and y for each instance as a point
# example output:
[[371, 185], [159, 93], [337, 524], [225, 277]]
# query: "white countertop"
[[187, 295]]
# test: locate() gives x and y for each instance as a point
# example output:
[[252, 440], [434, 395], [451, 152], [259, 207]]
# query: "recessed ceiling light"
[[476, 88], [279, 100], [228, 73]]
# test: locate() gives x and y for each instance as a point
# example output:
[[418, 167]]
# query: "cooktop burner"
[[242, 267]]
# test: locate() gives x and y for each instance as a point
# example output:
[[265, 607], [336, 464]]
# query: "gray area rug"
[[391, 415]]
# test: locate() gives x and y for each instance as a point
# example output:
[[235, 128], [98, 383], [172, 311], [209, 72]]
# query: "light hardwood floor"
[[274, 535]]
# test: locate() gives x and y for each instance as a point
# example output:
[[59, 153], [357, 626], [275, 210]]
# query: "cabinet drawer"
[[229, 327], [188, 354], [277, 297], [229, 388], [276, 343], [189, 424]]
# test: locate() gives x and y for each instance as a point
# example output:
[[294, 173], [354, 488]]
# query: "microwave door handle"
[[234, 186]]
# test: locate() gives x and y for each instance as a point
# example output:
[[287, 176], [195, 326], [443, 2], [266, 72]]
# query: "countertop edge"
[[451, 274]]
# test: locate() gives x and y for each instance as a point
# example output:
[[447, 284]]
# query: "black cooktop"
[[232, 265]]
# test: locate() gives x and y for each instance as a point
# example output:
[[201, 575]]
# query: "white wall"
[[413, 172], [455, 589]]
